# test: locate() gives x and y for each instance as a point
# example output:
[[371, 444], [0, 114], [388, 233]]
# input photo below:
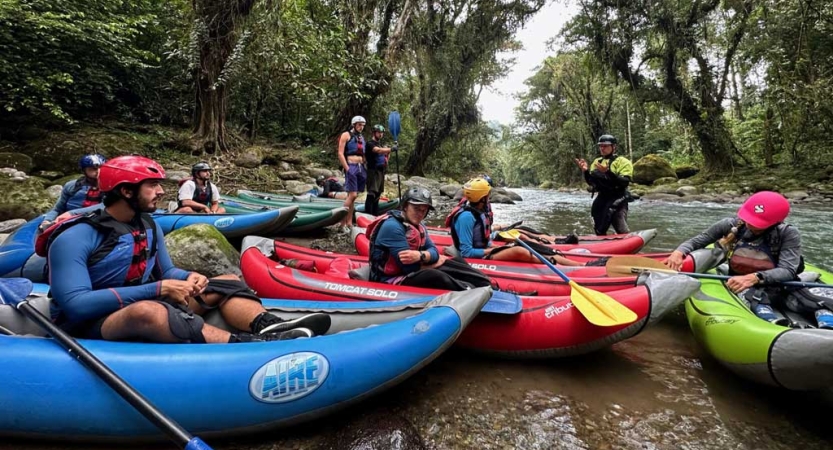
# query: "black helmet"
[[320, 180], [379, 128], [199, 167], [607, 139], [418, 196]]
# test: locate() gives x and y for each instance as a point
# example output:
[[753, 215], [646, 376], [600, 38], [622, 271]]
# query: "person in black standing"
[[377, 164], [609, 176]]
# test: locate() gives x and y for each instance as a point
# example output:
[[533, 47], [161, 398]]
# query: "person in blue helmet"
[[79, 193], [112, 278]]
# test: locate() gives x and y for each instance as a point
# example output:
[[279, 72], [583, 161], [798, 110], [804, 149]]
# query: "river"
[[655, 391]]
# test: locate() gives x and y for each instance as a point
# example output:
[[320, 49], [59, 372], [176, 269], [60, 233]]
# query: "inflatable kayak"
[[228, 389], [385, 204], [304, 221], [267, 223], [546, 327], [615, 244], [270, 199], [792, 358], [533, 279]]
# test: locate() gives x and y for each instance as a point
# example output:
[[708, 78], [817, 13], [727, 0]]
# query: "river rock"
[[546, 185], [8, 226], [54, 191], [316, 172], [686, 190], [376, 431], [664, 180], [656, 196], [796, 195], [201, 248], [514, 196], [449, 189], [299, 188], [49, 174], [289, 175], [650, 168], [458, 195], [249, 159], [285, 166], [177, 175], [434, 185], [23, 199], [665, 189], [497, 197], [15, 160]]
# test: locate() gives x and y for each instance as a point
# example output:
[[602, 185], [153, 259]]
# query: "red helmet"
[[128, 169], [764, 209]]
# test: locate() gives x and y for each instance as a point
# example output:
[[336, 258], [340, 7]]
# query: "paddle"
[[14, 292], [619, 266], [503, 303], [598, 308], [393, 126]]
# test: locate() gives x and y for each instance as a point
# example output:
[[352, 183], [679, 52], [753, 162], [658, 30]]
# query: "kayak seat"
[[13, 320], [362, 273]]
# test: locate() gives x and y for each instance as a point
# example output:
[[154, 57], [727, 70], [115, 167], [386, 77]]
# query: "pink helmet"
[[128, 169], [764, 209]]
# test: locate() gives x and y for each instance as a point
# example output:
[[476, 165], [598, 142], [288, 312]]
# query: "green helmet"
[[379, 128], [607, 139]]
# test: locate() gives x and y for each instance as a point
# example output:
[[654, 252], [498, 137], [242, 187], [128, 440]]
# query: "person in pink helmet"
[[761, 249]]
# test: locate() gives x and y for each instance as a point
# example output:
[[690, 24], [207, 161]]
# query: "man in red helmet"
[[762, 251], [112, 278]]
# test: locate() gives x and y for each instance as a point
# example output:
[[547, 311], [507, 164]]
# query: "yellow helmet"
[[476, 189]]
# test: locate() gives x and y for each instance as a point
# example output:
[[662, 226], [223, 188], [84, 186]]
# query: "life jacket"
[[200, 196], [114, 230], [601, 190], [386, 266], [482, 224], [355, 146], [92, 196], [758, 254]]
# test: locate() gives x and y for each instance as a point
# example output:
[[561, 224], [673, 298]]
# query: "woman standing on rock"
[[351, 156], [609, 176]]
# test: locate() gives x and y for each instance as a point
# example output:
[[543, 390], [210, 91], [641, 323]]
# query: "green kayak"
[[305, 202], [304, 221], [790, 357]]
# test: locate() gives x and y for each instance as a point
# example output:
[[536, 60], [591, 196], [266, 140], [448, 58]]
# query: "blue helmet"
[[488, 180], [92, 160]]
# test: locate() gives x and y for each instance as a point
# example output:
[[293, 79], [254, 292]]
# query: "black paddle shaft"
[[178, 434]]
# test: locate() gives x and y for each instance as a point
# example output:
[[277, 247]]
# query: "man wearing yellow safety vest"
[[608, 176]]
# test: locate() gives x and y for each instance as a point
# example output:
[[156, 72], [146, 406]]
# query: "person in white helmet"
[[350, 152]]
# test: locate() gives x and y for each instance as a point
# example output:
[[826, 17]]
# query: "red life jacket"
[[114, 230], [387, 265], [93, 197], [482, 224], [758, 255]]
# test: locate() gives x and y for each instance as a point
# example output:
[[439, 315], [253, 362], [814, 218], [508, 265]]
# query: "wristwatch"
[[760, 277], [422, 257]]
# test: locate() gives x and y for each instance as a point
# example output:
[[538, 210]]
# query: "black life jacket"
[[200, 196], [482, 224]]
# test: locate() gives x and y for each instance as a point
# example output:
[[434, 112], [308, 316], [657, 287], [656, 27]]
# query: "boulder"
[[687, 190], [285, 166], [503, 191], [49, 174], [23, 199], [316, 172], [8, 226], [202, 248], [664, 189], [289, 175], [686, 171], [546, 185], [650, 168], [249, 159], [796, 195], [497, 197], [458, 195], [18, 161], [54, 191], [449, 189], [177, 175], [664, 180], [422, 181], [299, 188]]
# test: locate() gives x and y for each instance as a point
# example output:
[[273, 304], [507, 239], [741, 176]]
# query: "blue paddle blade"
[[14, 290], [394, 124], [503, 303]]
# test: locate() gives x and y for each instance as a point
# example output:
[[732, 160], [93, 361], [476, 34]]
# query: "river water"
[[655, 391]]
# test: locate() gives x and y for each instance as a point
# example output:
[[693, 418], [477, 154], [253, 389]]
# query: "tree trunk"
[[769, 147]]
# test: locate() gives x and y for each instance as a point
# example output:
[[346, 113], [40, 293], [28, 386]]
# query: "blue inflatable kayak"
[[223, 389], [19, 248]]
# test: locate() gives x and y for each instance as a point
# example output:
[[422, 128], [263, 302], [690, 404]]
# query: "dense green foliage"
[[705, 82]]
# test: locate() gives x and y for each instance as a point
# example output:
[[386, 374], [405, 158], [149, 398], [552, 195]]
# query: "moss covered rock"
[[23, 199], [650, 168], [18, 161], [201, 248], [664, 180]]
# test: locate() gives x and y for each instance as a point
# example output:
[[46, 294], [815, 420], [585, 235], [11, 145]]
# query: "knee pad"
[[185, 324]]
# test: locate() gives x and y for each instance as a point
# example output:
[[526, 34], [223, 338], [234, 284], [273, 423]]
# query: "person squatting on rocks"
[[112, 278], [608, 176]]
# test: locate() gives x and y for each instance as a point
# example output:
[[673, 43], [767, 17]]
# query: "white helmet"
[[357, 119]]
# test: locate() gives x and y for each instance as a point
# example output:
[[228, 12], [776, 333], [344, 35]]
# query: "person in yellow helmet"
[[471, 227]]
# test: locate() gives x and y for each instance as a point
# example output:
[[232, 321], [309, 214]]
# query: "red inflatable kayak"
[[510, 276], [613, 244], [546, 327]]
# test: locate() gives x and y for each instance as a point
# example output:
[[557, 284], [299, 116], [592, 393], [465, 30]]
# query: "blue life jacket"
[[355, 146]]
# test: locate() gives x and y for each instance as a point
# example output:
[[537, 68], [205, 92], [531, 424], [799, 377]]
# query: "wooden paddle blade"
[[600, 309], [626, 266]]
